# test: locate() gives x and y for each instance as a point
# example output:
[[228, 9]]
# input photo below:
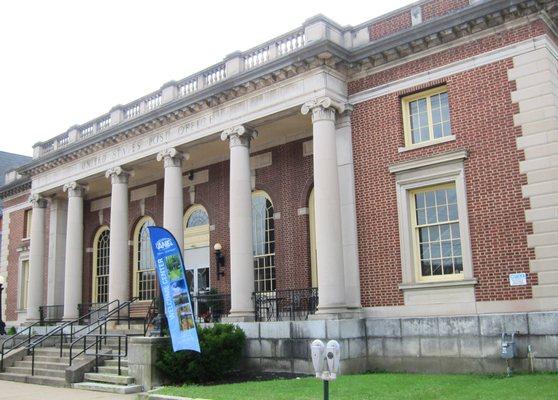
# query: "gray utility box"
[[509, 348]]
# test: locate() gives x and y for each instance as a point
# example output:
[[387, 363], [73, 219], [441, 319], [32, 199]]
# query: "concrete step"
[[42, 365], [9, 376], [108, 378], [56, 373], [105, 387], [48, 381], [112, 370], [51, 359], [37, 379], [114, 363]]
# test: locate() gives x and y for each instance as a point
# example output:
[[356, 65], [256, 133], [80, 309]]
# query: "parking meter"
[[333, 354], [325, 359], [318, 348]]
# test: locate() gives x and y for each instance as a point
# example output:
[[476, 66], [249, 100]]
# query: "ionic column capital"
[[74, 189], [37, 201], [117, 175], [323, 108], [172, 157], [239, 135]]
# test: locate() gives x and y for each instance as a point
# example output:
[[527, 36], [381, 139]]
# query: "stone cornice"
[[317, 53], [13, 188]]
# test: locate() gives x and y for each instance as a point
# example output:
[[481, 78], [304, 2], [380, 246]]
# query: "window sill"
[[446, 139], [435, 285]]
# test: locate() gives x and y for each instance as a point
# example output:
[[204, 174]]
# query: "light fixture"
[[219, 259]]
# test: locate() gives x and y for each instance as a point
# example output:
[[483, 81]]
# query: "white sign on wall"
[[519, 279]]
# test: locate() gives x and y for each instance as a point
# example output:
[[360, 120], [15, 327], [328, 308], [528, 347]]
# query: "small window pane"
[[436, 267], [452, 212]]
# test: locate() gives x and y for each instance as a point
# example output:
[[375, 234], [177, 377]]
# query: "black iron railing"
[[51, 314], [152, 312], [285, 305], [75, 329], [96, 310], [211, 307], [24, 337]]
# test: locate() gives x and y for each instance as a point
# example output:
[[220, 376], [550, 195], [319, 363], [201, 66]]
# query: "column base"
[[333, 313], [240, 316]]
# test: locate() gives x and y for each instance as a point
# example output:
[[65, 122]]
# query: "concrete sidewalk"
[[26, 391]]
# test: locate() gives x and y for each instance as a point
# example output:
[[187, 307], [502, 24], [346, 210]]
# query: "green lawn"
[[384, 386]]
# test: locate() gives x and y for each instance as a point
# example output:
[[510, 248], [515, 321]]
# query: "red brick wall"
[[437, 8], [390, 25], [287, 182], [470, 49], [482, 121], [382, 27]]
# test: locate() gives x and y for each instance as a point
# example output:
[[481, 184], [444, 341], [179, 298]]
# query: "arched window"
[[263, 237], [101, 251], [144, 264]]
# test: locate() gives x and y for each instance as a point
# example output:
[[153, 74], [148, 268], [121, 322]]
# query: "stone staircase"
[[50, 369], [108, 380]]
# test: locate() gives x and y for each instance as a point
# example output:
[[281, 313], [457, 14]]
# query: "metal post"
[[326, 390], [119, 353], [2, 324]]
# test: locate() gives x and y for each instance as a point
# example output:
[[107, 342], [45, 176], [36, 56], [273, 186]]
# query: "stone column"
[[331, 281], [58, 216], [173, 197], [73, 272], [240, 225], [119, 274], [36, 258]]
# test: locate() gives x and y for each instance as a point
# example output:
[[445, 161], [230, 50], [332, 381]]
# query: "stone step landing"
[[108, 380]]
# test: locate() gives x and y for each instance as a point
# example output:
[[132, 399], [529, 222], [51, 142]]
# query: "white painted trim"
[[460, 66], [439, 169], [428, 161], [143, 192], [429, 143]]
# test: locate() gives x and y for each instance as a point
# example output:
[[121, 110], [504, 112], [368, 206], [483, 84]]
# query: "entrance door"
[[197, 254]]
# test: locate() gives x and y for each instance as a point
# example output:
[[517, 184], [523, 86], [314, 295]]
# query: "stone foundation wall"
[[466, 344]]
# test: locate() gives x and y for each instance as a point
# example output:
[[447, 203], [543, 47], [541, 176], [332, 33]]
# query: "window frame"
[[415, 235], [273, 280], [445, 168], [22, 300], [136, 245], [425, 94], [94, 264], [27, 215]]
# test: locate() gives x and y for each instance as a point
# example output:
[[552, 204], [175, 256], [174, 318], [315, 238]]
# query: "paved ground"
[[26, 391]]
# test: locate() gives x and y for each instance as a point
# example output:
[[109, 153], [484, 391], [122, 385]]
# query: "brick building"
[[404, 167]]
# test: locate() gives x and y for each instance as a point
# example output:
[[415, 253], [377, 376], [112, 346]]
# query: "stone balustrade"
[[314, 29]]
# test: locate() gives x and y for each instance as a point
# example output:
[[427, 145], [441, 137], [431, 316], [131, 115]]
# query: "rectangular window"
[[437, 239], [426, 116], [27, 223], [23, 284]]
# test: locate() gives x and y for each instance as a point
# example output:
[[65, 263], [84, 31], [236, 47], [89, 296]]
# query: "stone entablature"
[[319, 42]]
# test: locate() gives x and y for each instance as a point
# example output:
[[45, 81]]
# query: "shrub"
[[12, 330], [221, 349]]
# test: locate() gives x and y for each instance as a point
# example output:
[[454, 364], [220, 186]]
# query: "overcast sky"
[[66, 62]]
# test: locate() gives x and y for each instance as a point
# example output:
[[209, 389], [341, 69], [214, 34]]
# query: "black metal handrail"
[[211, 307], [60, 330], [14, 346], [51, 314], [98, 344], [150, 315], [285, 305]]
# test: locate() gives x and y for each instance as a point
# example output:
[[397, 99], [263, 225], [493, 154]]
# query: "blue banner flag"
[[174, 288]]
